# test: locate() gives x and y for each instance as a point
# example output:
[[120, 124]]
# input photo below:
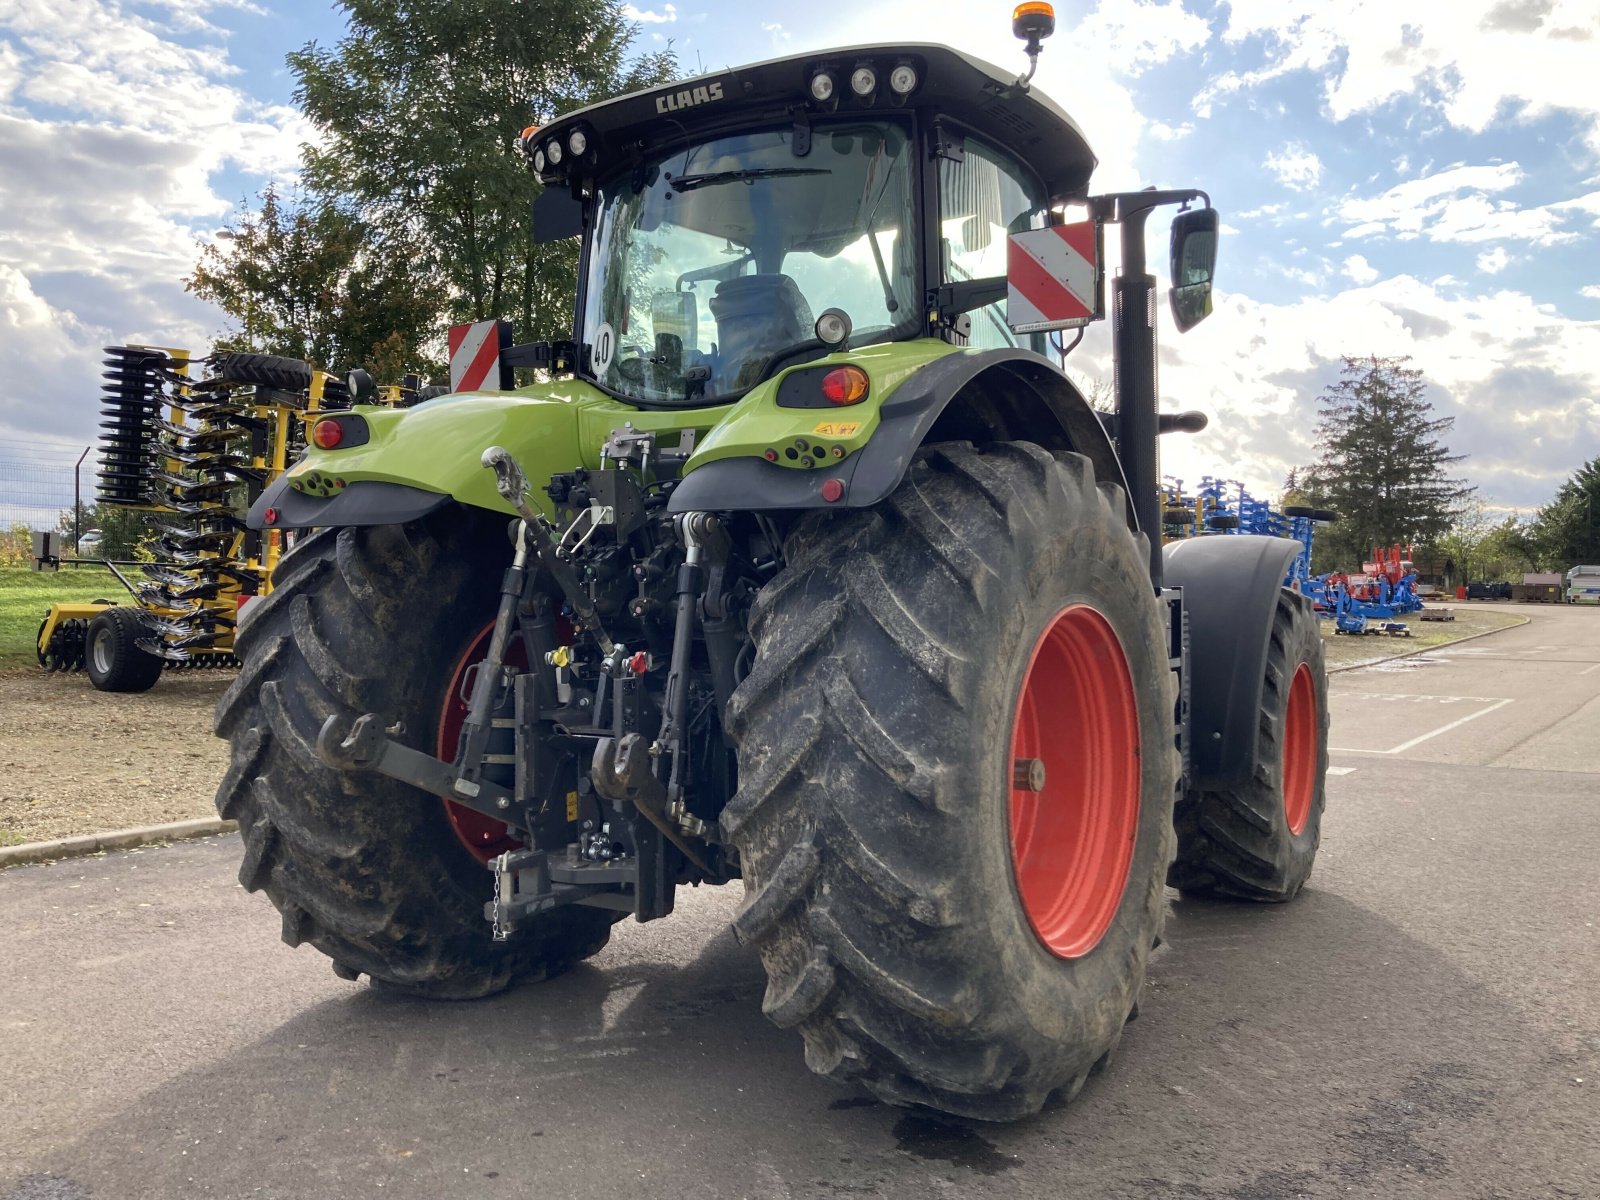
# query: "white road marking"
[[1340, 770], [1417, 741], [1413, 698], [1590, 670]]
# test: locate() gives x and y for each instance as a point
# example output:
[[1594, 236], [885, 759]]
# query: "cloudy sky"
[[1414, 177]]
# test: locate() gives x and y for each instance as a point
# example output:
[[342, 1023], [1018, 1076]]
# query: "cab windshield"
[[710, 264]]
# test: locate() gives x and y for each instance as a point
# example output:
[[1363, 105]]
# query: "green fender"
[[959, 395], [415, 460], [778, 447]]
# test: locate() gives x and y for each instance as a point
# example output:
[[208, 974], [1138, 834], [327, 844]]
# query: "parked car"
[[89, 543]]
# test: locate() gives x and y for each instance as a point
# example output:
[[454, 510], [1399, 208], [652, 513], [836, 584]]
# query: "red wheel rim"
[[1072, 838], [483, 836], [1300, 749]]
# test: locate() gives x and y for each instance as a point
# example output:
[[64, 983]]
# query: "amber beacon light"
[[1033, 22]]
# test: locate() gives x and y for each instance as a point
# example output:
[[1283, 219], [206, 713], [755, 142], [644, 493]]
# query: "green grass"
[[26, 594]]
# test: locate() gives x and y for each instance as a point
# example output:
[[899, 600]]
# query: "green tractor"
[[805, 565]]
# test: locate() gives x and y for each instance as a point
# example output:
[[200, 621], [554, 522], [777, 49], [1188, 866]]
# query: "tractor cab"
[[757, 219], [723, 217]]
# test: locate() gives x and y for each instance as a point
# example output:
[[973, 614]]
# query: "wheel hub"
[[1300, 749], [483, 836], [1075, 784]]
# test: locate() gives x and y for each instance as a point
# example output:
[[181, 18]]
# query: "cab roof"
[[976, 94]]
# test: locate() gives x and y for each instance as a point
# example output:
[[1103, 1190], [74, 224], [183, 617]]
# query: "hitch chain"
[[499, 930]]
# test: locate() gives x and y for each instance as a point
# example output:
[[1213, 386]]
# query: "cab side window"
[[982, 200]]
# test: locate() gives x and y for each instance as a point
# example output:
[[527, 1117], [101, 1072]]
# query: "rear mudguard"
[[1231, 585], [1005, 395]]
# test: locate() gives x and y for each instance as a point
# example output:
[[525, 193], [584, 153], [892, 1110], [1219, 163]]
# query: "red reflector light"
[[845, 385], [327, 434], [832, 489]]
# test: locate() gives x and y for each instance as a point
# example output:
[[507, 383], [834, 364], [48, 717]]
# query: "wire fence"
[[37, 479]]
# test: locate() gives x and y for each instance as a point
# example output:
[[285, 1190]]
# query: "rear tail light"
[[845, 385], [327, 434]]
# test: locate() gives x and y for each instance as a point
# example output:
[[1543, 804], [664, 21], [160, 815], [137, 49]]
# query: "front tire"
[[367, 869], [909, 927], [1258, 839]]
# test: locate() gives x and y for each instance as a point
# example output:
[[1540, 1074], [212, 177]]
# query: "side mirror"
[[1194, 261]]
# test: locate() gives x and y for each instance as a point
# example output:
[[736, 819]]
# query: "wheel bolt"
[[1027, 774]]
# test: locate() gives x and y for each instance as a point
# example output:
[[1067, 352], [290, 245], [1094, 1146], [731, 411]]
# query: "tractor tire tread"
[[362, 867], [866, 941], [131, 669], [1235, 842]]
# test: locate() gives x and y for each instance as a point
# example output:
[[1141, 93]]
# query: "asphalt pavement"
[[1424, 1021]]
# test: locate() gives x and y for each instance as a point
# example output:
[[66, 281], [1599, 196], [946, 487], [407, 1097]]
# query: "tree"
[[1480, 546], [1566, 531], [1383, 463], [418, 109], [307, 279]]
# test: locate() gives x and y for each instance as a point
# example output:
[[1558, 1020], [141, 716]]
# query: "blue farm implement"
[[1385, 588], [1223, 506]]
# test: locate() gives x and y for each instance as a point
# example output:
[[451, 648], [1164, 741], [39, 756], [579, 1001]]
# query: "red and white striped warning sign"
[[475, 355], [1053, 277]]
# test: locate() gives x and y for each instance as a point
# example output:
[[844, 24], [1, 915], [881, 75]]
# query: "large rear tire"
[[368, 870], [1258, 840], [925, 918]]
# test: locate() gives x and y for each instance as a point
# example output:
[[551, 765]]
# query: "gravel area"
[[74, 760]]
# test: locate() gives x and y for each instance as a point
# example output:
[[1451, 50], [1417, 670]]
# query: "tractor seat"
[[757, 316]]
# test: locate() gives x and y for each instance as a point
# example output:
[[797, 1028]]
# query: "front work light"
[[864, 81], [903, 79], [832, 327], [553, 149], [577, 143], [822, 87]]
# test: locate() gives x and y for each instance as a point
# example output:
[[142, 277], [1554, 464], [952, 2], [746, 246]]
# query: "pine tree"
[[1567, 530], [1384, 464]]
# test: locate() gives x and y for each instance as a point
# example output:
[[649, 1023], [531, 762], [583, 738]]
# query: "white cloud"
[[1296, 167], [1522, 382], [666, 16], [1162, 132], [780, 36], [1359, 269], [1590, 290], [1492, 262], [1472, 59], [1458, 204], [114, 124], [1139, 35]]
